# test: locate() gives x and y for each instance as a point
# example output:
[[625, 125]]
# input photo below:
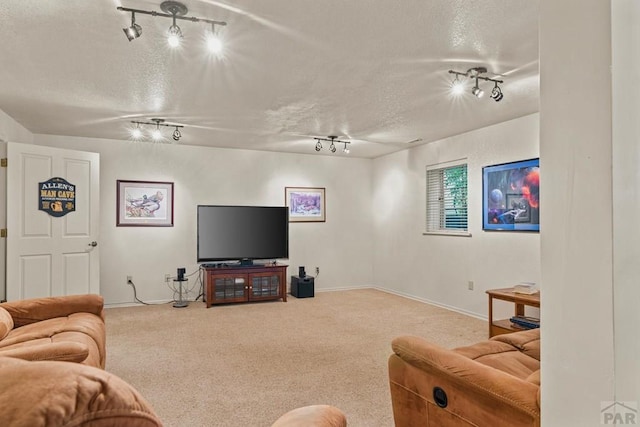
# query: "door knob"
[[93, 244]]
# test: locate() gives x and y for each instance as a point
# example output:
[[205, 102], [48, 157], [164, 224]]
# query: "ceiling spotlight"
[[135, 30], [457, 87], [318, 146], [175, 8], [496, 93], [174, 35], [176, 134], [136, 133], [214, 44], [332, 147], [346, 150], [476, 90], [156, 135]]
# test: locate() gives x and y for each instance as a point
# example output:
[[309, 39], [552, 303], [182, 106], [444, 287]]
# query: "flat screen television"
[[242, 233]]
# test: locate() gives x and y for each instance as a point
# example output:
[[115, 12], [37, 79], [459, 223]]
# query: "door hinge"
[[3, 232], [3, 162]]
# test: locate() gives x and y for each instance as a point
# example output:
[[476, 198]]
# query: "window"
[[447, 198]]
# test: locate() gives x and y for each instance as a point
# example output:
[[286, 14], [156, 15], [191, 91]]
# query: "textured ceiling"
[[370, 71]]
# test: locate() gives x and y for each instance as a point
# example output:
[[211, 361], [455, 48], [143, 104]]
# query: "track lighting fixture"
[[457, 86], [174, 10], [333, 139], [156, 132]]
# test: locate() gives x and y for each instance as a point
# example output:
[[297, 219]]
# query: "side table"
[[180, 303], [503, 326]]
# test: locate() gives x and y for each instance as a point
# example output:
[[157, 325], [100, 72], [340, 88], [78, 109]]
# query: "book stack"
[[528, 288], [525, 322]]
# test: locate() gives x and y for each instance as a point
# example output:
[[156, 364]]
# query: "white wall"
[[438, 268], [12, 131], [576, 218], [626, 196], [340, 246]]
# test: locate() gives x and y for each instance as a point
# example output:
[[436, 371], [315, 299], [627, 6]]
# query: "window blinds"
[[447, 199]]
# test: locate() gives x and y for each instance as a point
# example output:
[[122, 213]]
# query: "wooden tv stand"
[[235, 283]]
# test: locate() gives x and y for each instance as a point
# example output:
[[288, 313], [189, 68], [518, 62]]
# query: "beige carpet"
[[246, 364]]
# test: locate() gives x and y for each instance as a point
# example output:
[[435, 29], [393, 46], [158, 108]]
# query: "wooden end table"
[[503, 326]]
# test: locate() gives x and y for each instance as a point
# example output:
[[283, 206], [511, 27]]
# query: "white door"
[[49, 255]]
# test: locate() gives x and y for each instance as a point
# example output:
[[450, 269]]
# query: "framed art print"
[[511, 196], [306, 204], [144, 203]]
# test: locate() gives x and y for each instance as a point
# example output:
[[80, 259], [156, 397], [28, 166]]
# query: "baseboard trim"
[[335, 289], [437, 304], [137, 304]]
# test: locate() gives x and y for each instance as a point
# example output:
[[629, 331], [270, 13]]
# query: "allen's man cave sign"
[[57, 197]]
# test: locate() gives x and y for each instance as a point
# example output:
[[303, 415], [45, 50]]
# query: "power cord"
[[135, 295], [201, 292], [175, 291], [187, 291]]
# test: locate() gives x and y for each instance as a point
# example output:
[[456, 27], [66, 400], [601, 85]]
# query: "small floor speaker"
[[302, 287]]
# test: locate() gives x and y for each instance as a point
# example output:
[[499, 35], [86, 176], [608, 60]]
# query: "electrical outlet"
[[167, 277], [317, 270], [470, 285], [129, 279]]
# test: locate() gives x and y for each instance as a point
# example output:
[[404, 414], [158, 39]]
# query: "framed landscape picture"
[[144, 203], [511, 196], [306, 204]]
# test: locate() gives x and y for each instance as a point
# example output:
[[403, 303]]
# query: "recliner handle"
[[440, 397]]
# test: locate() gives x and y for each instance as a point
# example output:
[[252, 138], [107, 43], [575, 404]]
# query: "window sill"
[[447, 233]]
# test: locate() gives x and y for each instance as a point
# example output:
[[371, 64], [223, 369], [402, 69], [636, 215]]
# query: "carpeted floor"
[[243, 365]]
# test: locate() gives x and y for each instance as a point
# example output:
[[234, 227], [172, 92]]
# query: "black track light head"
[[496, 93]]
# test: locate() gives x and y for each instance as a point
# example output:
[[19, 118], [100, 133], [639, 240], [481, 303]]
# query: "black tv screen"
[[228, 233]]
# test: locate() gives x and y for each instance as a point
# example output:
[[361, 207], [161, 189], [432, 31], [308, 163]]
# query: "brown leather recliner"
[[493, 383], [54, 394]]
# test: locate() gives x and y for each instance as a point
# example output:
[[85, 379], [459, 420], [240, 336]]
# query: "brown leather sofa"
[[64, 328], [493, 383], [52, 356]]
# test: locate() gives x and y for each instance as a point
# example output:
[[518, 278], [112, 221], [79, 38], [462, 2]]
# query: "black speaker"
[[302, 287], [301, 272], [181, 272]]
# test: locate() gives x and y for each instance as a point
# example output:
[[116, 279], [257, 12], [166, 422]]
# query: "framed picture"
[[144, 204], [306, 204], [511, 196]]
